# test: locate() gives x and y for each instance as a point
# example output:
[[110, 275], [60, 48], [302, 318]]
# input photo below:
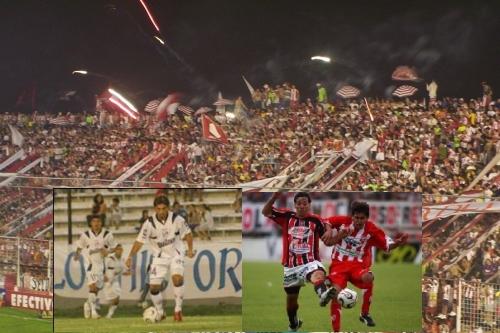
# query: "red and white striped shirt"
[[357, 246], [300, 236]]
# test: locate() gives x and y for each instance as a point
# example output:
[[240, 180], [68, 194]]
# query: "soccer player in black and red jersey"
[[301, 235]]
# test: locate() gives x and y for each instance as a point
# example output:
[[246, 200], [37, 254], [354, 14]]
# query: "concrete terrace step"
[[134, 218], [136, 204]]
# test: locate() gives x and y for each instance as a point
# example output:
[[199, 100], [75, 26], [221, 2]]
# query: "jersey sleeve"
[[280, 215], [337, 221], [378, 238], [144, 233], [182, 226], [110, 241], [82, 241]]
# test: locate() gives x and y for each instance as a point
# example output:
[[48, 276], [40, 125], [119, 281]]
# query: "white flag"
[[17, 137]]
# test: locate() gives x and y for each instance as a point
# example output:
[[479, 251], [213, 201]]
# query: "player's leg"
[[92, 300], [177, 268], [315, 273], [113, 292], [292, 307], [338, 277], [157, 274], [364, 279], [112, 307]]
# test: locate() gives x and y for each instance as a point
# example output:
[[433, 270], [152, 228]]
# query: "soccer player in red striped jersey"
[[301, 235], [353, 237]]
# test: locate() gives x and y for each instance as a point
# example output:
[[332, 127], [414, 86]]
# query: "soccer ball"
[[150, 315], [347, 298]]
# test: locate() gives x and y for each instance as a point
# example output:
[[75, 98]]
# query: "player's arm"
[[382, 241], [189, 240], [401, 239], [133, 251], [335, 231], [80, 245], [78, 253], [267, 211]]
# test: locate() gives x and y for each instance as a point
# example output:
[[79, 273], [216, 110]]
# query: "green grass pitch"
[[225, 318], [396, 302], [22, 321]]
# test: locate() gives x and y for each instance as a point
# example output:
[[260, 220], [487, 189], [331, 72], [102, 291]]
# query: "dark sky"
[[267, 41]]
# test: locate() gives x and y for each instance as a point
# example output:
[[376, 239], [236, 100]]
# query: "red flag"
[[212, 131]]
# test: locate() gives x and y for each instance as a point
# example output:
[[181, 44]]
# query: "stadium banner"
[[214, 272], [270, 249], [383, 213], [442, 211], [21, 298], [409, 253]]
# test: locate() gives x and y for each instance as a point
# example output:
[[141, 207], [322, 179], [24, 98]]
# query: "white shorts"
[[297, 276], [96, 278], [112, 290], [161, 267]]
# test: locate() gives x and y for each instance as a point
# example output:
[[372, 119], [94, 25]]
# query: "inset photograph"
[[143, 260], [26, 297], [332, 261]]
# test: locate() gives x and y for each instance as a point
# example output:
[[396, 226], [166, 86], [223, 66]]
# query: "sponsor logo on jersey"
[[299, 232], [166, 242], [299, 248]]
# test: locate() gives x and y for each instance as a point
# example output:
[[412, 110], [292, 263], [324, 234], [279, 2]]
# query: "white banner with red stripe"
[[442, 211]]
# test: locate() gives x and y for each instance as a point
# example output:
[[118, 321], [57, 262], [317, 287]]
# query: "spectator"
[[116, 213]]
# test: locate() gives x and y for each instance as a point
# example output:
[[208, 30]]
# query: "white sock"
[[179, 297], [92, 302], [111, 310], [157, 302]]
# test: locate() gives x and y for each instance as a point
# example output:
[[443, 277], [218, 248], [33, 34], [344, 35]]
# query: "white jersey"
[[165, 237], [115, 267], [92, 245]]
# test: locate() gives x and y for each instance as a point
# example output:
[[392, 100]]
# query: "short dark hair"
[[90, 217], [116, 199], [161, 199], [302, 195], [360, 207]]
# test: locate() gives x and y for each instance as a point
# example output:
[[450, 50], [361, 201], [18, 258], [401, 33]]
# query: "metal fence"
[[28, 261], [460, 306]]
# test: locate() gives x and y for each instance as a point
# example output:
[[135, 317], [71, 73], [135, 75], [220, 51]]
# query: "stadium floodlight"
[[160, 40], [80, 71], [321, 58]]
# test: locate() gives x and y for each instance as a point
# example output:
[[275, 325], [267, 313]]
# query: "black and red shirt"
[[300, 236]]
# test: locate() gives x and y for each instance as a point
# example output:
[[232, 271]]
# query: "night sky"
[[267, 41]]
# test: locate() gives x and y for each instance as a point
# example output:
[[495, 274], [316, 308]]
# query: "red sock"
[[367, 299], [335, 312]]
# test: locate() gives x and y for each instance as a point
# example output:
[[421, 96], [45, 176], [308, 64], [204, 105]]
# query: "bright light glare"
[[321, 58], [123, 99], [230, 115], [160, 40], [151, 18], [121, 106], [81, 71]]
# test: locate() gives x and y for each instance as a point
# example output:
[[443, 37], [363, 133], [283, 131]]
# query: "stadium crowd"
[[437, 149], [461, 259]]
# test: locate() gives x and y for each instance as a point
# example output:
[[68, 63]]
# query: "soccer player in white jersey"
[[96, 243], [165, 232], [115, 268]]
